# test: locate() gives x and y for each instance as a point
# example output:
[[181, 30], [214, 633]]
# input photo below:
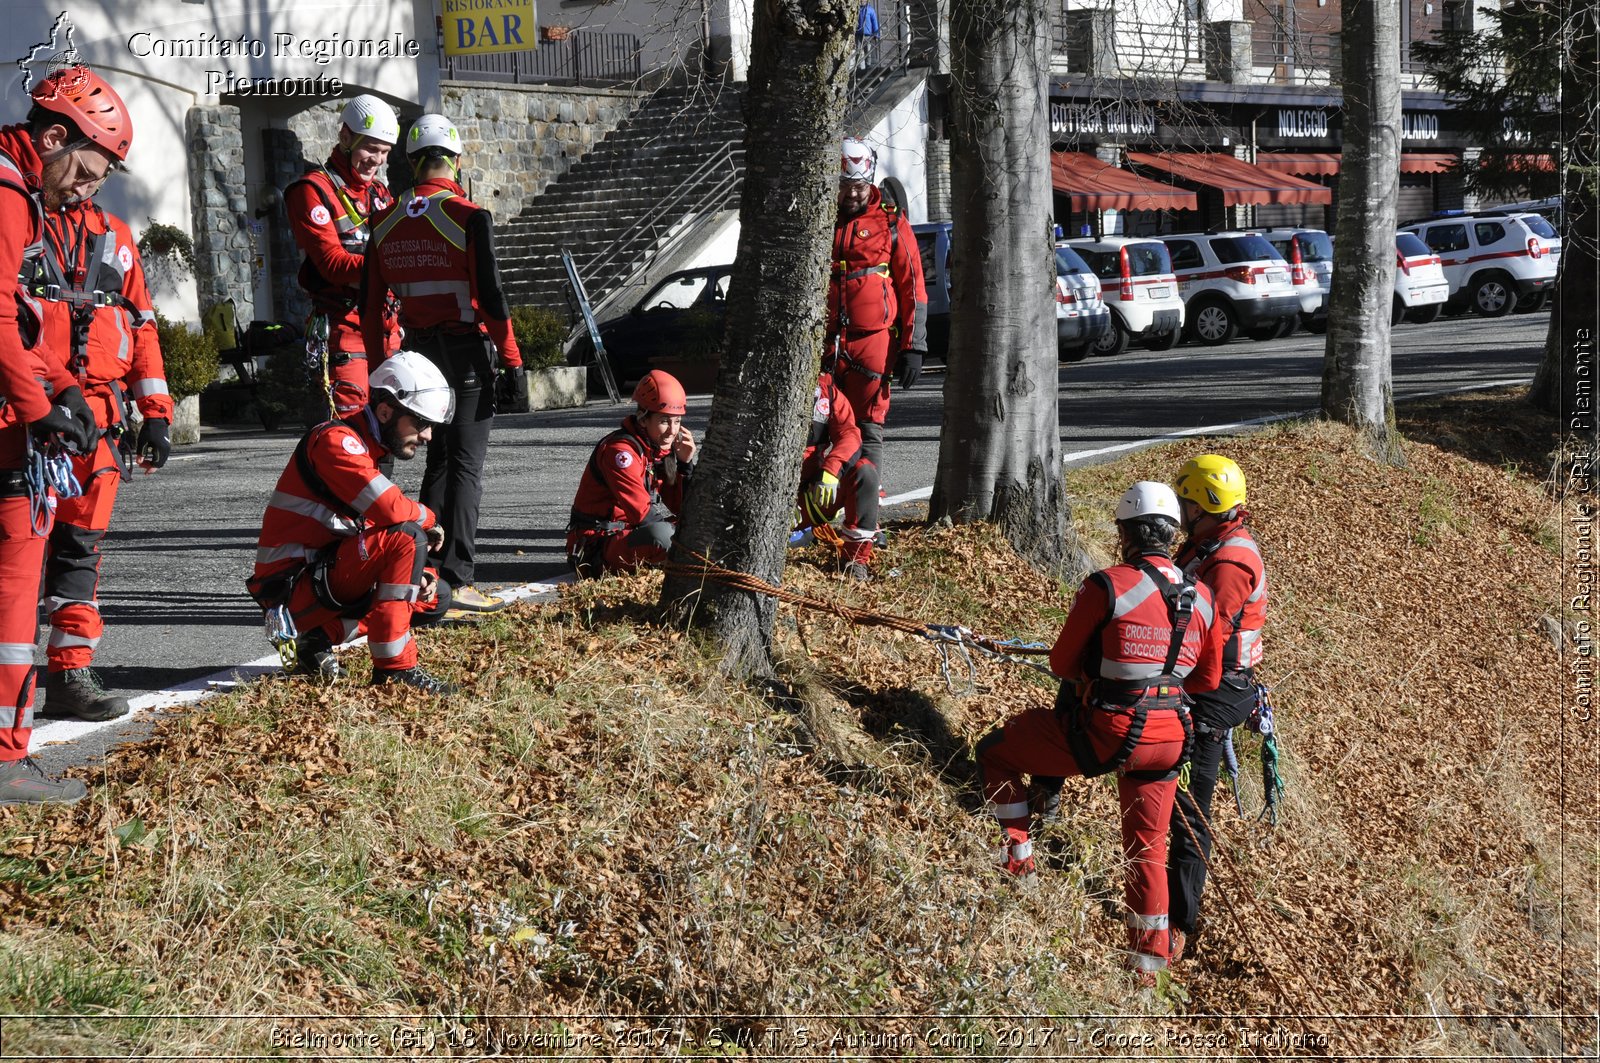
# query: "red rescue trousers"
[[387, 564], [620, 551], [1033, 743], [72, 566], [21, 559]]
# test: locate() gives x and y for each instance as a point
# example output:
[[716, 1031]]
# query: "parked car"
[[933, 242], [1495, 262], [1309, 253], [682, 316], [1138, 286], [1231, 281], [1082, 316], [1420, 287]]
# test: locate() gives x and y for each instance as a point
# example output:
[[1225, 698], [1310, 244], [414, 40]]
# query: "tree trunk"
[[1357, 380], [1565, 384], [741, 501], [1000, 448]]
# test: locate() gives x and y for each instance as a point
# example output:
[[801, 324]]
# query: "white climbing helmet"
[[857, 162], [433, 131], [368, 116], [1147, 498], [416, 385]]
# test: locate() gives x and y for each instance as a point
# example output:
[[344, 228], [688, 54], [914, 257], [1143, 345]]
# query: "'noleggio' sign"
[[1071, 118], [1299, 122]]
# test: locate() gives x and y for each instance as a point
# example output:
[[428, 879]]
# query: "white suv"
[[1420, 288], [1082, 316], [1309, 253], [1233, 280], [1137, 284], [1494, 262]]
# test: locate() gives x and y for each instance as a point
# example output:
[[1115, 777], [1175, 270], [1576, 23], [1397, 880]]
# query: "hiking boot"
[[1016, 855], [23, 782], [313, 656], [858, 571], [473, 600], [76, 694], [413, 677], [1044, 799]]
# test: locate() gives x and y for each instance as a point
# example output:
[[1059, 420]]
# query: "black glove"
[[910, 369], [511, 390], [153, 446], [68, 424]]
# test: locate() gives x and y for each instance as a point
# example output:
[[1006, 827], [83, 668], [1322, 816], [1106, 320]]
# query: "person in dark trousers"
[[1138, 636], [1220, 554], [435, 251]]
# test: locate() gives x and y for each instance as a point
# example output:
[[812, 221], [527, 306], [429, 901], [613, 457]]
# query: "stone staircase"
[[681, 154]]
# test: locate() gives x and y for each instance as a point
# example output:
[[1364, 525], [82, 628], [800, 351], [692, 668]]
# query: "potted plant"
[[552, 384], [190, 359], [167, 253]]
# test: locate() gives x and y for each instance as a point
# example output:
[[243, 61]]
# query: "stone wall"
[[223, 247]]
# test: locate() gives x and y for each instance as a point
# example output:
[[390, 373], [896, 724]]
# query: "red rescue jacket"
[[330, 490], [625, 477], [1229, 563], [104, 338], [426, 251], [28, 378], [833, 442], [876, 281], [330, 213]]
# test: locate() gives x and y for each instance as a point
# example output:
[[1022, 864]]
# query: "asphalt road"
[[183, 539]]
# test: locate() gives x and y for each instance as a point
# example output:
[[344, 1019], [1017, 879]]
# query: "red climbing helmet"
[[660, 392], [89, 101]]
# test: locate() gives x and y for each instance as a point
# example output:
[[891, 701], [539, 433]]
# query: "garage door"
[[1415, 199]]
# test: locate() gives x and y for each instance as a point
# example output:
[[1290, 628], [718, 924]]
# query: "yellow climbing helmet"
[[1212, 482]]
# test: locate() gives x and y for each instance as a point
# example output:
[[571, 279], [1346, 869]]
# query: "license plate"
[[1277, 276], [1429, 295], [1159, 293]]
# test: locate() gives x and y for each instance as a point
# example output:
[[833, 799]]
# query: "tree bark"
[[1357, 379], [1565, 384], [741, 501], [1000, 447]]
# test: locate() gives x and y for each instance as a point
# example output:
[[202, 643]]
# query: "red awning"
[[1095, 185], [1542, 163], [1239, 182], [1316, 164], [1426, 162]]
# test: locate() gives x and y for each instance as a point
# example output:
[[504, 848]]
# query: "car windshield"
[[1231, 249], [1315, 247], [1409, 246], [1539, 226], [1068, 262], [677, 293]]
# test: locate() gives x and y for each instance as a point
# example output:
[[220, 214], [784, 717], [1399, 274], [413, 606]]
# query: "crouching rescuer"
[[834, 475], [1138, 634], [342, 549], [631, 493]]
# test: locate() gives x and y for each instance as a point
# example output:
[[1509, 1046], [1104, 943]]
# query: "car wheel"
[[1215, 324], [1314, 325], [1113, 341], [1397, 312], [1492, 295], [1162, 341], [1071, 352], [1529, 303], [1424, 315], [1288, 326]]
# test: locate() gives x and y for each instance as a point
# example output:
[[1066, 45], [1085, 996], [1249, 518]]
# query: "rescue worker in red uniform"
[[877, 306], [330, 211], [342, 546], [1138, 635], [100, 324], [834, 474], [1220, 554], [631, 494], [435, 250], [77, 131]]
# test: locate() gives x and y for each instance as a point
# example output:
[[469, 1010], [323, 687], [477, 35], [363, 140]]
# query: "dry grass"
[[605, 826]]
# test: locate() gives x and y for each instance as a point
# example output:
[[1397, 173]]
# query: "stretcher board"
[[582, 297]]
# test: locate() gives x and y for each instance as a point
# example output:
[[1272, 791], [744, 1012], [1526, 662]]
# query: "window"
[[1146, 260], [1410, 246], [1231, 249], [1454, 16], [1314, 247], [1068, 263], [1104, 263], [1446, 237], [1488, 232], [1539, 226], [1185, 254]]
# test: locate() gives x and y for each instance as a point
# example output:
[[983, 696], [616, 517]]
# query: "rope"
[[947, 638]]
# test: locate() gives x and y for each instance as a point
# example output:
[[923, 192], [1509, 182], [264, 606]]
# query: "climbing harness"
[[1262, 723]]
